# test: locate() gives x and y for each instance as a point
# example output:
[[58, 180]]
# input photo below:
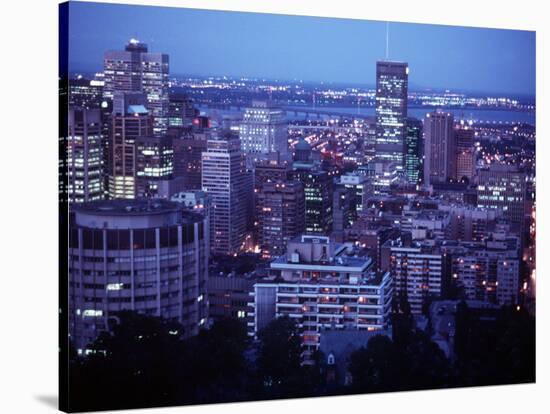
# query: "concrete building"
[[439, 148], [139, 255], [280, 215], [226, 181], [320, 286], [392, 80], [502, 187], [465, 153], [188, 148], [130, 121], [228, 296], [488, 271], [263, 130], [85, 167], [420, 270], [154, 166], [135, 69]]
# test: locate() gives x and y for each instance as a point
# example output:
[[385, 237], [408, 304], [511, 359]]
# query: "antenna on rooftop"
[[387, 40]]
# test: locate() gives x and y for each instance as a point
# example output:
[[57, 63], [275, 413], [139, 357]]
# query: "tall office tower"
[[413, 151], [503, 187], [318, 197], [263, 130], [188, 149], [88, 94], [84, 155], [321, 287], [357, 184], [181, 111], [439, 148], [225, 179], [139, 255], [130, 120], [420, 271], [280, 215], [391, 111], [85, 93], [154, 166], [136, 70], [344, 211], [465, 154]]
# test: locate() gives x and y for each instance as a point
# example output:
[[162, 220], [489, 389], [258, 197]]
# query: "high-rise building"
[[135, 69], [84, 155], [420, 271], [270, 171], [85, 93], [130, 121], [225, 179], [391, 110], [181, 111], [318, 198], [154, 165], [321, 286], [280, 215], [439, 148], [488, 271], [413, 151], [263, 130], [465, 154], [140, 255], [503, 187], [188, 149]]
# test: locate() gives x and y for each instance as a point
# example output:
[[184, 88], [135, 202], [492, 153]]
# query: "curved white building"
[[149, 256]]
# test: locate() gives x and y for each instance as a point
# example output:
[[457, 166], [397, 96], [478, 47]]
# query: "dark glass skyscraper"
[[413, 151], [391, 110]]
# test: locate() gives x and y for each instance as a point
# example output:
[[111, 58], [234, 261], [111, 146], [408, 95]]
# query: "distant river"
[[475, 115]]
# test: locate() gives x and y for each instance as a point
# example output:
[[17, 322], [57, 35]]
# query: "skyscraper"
[[413, 151], [391, 110], [181, 111], [225, 179], [318, 199], [439, 148], [503, 187], [136, 70], [130, 121], [154, 165], [465, 155], [84, 155], [263, 130]]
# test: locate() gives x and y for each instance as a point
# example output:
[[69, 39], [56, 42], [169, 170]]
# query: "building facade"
[[413, 164], [439, 148], [392, 80], [130, 121], [502, 187], [143, 256], [85, 167], [135, 69], [225, 180], [280, 215], [263, 130], [321, 287]]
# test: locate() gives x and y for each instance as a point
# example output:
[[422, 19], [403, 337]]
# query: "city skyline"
[[463, 59]]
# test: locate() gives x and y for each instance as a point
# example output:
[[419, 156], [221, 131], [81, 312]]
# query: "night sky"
[[204, 42]]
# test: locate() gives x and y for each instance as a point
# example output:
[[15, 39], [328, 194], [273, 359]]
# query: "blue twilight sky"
[[202, 42]]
